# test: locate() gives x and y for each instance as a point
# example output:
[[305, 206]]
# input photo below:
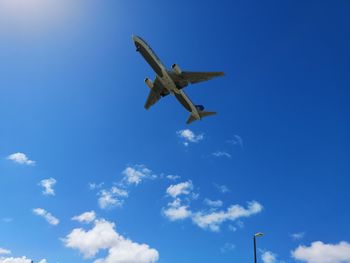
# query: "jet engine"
[[176, 69], [149, 83], [200, 107]]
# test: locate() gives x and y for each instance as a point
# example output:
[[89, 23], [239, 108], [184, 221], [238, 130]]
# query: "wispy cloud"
[[189, 136], [177, 211], [20, 158], [4, 251], [240, 224], [103, 236], [173, 177], [48, 185], [319, 252], [116, 195], [113, 197], [268, 257], [222, 188], [232, 228], [213, 203], [94, 186], [86, 217], [135, 174], [19, 260], [48, 216], [212, 219], [221, 154], [297, 236], [183, 188], [227, 247], [236, 140]]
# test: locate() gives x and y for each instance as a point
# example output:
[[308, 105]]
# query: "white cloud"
[[176, 211], [183, 188], [86, 217], [135, 174], [20, 158], [119, 192], [15, 260], [107, 200], [48, 216], [213, 203], [103, 236], [189, 136], [19, 260], [222, 188], [4, 251], [268, 257], [116, 195], [227, 247], [207, 219], [127, 251], [213, 220], [173, 177], [221, 154], [297, 236], [93, 186], [113, 197], [48, 184], [320, 252]]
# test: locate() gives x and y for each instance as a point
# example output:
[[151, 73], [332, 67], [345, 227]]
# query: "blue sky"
[[75, 138]]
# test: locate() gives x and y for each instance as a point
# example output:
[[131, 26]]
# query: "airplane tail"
[[202, 114]]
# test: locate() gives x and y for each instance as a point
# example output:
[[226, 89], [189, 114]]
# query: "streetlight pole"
[[254, 249], [259, 234]]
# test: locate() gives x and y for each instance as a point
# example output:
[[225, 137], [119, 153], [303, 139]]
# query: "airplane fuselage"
[[164, 76]]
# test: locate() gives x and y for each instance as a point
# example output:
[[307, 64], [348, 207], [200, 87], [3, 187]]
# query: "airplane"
[[172, 82]]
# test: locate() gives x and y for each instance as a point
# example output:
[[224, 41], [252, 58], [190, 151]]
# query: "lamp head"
[[259, 234]]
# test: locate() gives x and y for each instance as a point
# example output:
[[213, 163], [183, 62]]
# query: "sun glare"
[[35, 14]]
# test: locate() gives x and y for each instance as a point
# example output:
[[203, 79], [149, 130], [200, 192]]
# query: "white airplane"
[[172, 81]]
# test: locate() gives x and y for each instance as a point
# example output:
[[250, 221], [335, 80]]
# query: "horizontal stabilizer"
[[206, 113], [202, 114], [191, 119]]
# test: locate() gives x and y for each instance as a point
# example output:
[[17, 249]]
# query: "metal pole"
[[254, 249]]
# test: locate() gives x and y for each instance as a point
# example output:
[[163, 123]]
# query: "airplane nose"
[[134, 38], [136, 42]]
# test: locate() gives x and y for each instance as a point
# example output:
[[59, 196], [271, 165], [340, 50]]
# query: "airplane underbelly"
[[151, 61], [168, 83]]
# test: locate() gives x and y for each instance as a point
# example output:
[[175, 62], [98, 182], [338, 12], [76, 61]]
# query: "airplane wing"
[[152, 98], [155, 94], [195, 77]]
